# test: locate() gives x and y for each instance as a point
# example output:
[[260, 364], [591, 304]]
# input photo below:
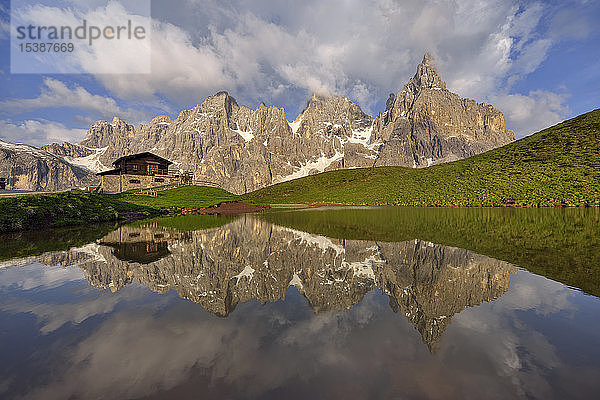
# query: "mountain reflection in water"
[[253, 259]]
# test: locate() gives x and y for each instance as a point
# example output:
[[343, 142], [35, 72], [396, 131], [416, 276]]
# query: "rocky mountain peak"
[[427, 59], [426, 124], [318, 101], [102, 133], [427, 75], [328, 116], [161, 119], [118, 121], [219, 102], [335, 110]]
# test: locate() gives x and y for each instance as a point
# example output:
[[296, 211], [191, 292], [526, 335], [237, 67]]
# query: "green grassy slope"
[[184, 197], [78, 207], [64, 209], [559, 165], [561, 244]]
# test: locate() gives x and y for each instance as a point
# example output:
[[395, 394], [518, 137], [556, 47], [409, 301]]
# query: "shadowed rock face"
[[67, 150], [241, 149], [28, 168], [252, 259]]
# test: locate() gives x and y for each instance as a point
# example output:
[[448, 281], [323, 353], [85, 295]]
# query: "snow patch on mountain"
[[295, 281], [295, 125], [320, 164], [25, 148], [247, 136], [91, 162]]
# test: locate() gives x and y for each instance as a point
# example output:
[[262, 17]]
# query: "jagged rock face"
[[102, 133], [242, 150], [28, 168], [342, 125], [252, 259], [67, 149], [426, 124]]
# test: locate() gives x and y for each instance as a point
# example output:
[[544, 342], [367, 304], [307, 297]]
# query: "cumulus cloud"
[[528, 114], [324, 46], [357, 47], [56, 94], [123, 54], [179, 69], [39, 132], [281, 52]]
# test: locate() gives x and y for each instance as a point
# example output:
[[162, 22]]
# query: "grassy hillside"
[[65, 209], [557, 166], [78, 207], [561, 244], [184, 197]]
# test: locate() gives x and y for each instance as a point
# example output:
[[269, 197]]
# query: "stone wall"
[[121, 183]]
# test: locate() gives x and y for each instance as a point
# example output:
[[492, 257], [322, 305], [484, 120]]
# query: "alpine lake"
[[323, 303]]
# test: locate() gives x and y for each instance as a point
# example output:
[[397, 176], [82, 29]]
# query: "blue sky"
[[538, 62]]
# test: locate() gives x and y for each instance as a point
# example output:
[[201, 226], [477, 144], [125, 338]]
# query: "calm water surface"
[[329, 303]]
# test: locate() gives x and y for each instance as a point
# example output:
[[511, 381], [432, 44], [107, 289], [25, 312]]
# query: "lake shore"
[[73, 208]]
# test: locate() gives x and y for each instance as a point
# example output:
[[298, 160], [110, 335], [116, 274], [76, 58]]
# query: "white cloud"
[[536, 111], [179, 69], [279, 53], [123, 54], [361, 50], [38, 133], [55, 93]]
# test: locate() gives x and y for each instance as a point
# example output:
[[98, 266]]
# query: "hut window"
[[159, 180], [134, 181]]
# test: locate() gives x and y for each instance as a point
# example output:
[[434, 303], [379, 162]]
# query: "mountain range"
[[241, 150]]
